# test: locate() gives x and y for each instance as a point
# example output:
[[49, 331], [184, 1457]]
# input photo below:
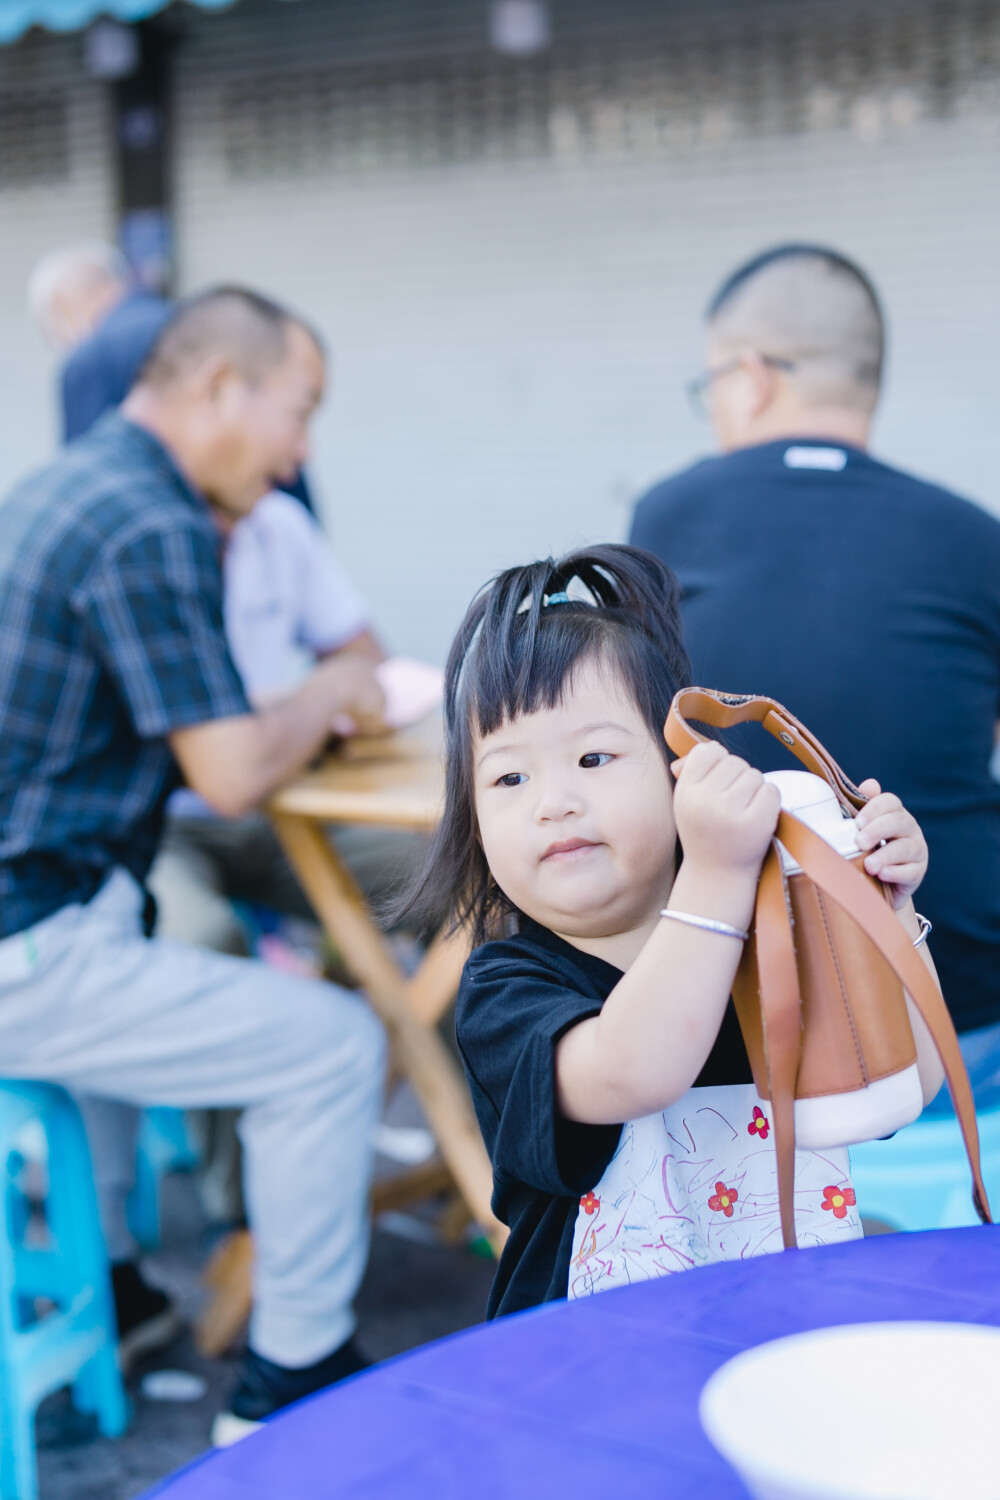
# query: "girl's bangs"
[[530, 670]]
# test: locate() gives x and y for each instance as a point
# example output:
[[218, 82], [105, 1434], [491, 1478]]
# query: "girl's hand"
[[899, 850], [724, 810]]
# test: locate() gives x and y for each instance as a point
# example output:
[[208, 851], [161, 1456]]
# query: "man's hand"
[[899, 849], [235, 763], [725, 811], [363, 701]]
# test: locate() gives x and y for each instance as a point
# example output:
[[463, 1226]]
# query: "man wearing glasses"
[[864, 599]]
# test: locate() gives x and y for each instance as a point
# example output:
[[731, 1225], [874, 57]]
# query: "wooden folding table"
[[393, 781]]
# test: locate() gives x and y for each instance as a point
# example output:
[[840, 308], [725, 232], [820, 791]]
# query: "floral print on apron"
[[698, 1183]]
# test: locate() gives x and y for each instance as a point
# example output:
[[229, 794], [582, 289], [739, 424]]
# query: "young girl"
[[606, 1064]]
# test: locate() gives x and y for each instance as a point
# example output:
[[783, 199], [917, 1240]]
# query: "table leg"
[[418, 1048], [228, 1276], [434, 985]]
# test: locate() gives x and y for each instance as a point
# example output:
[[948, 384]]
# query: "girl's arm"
[[658, 1025]]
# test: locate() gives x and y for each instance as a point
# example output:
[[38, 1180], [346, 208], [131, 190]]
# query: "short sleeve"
[[510, 1016], [332, 612], [154, 614]]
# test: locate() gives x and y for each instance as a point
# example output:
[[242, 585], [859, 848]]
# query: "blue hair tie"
[[562, 598]]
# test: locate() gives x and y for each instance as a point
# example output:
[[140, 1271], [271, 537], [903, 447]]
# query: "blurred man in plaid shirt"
[[113, 671]]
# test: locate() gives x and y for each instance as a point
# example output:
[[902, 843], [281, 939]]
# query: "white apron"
[[698, 1183]]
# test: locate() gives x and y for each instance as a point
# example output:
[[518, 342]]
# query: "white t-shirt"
[[286, 599]]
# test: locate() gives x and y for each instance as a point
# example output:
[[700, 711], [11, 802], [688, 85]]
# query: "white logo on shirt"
[[815, 458]]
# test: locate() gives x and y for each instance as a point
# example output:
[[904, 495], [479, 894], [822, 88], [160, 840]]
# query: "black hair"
[[514, 653], [251, 329]]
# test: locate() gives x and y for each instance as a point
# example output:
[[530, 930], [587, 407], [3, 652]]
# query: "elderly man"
[[86, 303], [861, 597], [114, 666]]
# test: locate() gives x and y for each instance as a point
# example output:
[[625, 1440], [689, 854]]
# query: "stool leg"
[[18, 1479], [18, 1471], [98, 1388], [84, 1391], [76, 1226]]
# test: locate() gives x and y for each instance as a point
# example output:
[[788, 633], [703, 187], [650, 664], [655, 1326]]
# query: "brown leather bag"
[[820, 988]]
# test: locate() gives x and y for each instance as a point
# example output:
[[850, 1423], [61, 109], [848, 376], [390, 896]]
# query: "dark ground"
[[413, 1292]]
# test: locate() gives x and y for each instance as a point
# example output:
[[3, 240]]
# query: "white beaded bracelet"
[[707, 924]]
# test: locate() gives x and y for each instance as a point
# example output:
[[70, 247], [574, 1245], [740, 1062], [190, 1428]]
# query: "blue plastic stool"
[[76, 1343], [164, 1145], [919, 1178]]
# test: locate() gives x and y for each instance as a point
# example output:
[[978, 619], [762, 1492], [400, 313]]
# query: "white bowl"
[[867, 1411]]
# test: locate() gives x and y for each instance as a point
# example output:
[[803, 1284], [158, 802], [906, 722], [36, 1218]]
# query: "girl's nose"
[[555, 803]]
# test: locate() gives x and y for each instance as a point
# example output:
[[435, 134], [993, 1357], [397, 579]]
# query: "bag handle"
[[781, 1004], [723, 710]]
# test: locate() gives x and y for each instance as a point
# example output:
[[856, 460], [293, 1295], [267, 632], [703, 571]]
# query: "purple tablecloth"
[[589, 1397]]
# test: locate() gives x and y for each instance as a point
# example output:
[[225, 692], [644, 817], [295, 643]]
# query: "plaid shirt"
[[111, 637]]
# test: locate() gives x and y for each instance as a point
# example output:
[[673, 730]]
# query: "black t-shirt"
[[518, 996], [868, 603]]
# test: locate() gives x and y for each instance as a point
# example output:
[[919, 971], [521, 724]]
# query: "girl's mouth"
[[567, 849]]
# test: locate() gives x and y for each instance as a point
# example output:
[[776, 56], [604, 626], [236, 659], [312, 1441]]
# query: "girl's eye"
[[513, 778], [596, 758]]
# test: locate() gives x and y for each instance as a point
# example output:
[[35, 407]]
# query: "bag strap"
[[845, 884], [723, 710], [781, 1025]]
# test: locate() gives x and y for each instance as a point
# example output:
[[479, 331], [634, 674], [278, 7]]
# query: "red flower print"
[[722, 1200], [760, 1124], [838, 1200], [590, 1203]]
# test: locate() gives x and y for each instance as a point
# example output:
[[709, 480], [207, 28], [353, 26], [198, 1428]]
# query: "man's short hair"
[[72, 267], [814, 307], [251, 331]]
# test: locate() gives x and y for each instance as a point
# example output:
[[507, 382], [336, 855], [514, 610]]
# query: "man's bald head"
[[73, 288], [249, 332], [813, 308]]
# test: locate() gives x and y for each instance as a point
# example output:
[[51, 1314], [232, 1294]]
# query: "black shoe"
[[147, 1319], [264, 1388]]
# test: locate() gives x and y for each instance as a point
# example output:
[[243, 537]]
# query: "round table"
[[592, 1397]]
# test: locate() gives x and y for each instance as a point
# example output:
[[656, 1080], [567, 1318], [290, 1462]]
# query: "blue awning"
[[70, 15]]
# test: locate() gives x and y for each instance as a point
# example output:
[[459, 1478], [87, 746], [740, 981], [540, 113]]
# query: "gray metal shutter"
[[509, 257], [55, 187]]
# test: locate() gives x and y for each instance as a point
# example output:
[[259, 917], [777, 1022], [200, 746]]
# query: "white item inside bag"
[[887, 1104]]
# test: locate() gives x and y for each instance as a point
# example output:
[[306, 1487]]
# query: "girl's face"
[[575, 813]]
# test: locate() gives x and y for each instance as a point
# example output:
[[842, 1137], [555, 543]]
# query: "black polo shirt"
[[868, 603], [518, 996]]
